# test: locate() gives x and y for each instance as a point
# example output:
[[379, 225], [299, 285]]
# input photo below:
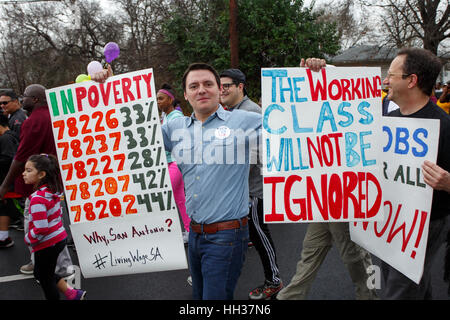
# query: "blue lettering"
[[326, 115], [297, 89], [389, 133], [352, 157], [295, 124], [266, 119], [365, 146], [274, 74], [341, 112], [283, 90], [369, 117], [401, 137], [273, 161], [421, 142]]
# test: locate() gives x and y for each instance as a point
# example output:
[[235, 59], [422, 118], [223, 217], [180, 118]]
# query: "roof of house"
[[365, 53], [371, 53]]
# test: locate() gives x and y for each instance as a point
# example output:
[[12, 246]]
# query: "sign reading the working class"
[[113, 166], [320, 133], [401, 238]]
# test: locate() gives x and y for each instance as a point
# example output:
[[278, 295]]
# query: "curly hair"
[[424, 64]]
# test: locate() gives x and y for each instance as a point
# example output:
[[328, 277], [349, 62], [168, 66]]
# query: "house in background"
[[375, 56]]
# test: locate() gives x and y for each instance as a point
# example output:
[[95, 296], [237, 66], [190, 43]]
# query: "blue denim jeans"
[[215, 262]]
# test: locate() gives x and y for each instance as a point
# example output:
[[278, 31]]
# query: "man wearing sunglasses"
[[16, 115]]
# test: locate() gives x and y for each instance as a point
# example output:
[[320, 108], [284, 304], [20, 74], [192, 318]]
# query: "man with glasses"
[[16, 115], [410, 80], [234, 95]]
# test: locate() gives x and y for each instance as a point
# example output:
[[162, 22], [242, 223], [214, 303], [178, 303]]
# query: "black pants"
[[44, 269], [262, 240]]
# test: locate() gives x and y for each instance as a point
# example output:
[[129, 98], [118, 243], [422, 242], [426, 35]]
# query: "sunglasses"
[[4, 102]]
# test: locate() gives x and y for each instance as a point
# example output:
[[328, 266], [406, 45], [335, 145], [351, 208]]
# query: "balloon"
[[111, 51], [82, 77], [94, 67]]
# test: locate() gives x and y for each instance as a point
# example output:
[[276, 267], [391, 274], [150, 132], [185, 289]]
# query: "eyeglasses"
[[403, 75], [227, 86], [4, 102]]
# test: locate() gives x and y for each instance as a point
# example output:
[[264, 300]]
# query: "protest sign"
[[320, 133], [401, 238], [114, 169]]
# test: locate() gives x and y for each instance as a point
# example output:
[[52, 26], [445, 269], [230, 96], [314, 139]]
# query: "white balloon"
[[94, 67]]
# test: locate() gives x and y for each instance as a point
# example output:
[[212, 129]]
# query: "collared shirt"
[[214, 158]]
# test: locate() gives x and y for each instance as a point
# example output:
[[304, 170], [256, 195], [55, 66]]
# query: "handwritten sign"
[[112, 161], [319, 144], [401, 238]]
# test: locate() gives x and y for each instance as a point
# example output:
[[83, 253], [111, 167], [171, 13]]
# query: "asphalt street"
[[332, 282]]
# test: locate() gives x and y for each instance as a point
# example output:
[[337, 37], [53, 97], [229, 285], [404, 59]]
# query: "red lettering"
[[147, 78], [377, 81], [317, 151], [328, 156], [336, 137], [287, 205], [117, 100], [335, 196], [126, 84], [377, 204], [361, 196], [370, 90], [81, 94], [319, 87], [93, 96], [350, 183], [402, 228], [311, 189], [273, 216], [423, 219], [355, 88], [346, 94], [336, 84], [105, 94], [138, 88], [379, 234]]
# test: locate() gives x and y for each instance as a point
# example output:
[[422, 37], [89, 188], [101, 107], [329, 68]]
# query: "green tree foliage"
[[271, 34]]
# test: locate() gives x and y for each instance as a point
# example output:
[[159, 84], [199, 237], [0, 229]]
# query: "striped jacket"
[[45, 226]]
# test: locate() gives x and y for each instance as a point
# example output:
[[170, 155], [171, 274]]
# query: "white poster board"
[[320, 133], [401, 238], [113, 165]]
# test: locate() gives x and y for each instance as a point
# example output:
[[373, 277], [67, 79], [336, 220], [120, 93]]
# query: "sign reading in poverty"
[[401, 238], [320, 133], [114, 169]]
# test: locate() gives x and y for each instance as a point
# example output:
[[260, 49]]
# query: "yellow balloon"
[[82, 77]]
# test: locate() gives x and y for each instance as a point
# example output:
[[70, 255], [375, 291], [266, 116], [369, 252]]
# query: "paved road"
[[332, 282]]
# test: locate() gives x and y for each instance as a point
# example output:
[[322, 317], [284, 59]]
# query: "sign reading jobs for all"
[[401, 238], [320, 145], [111, 155]]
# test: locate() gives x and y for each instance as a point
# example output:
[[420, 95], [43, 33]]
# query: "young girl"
[[46, 235], [167, 104]]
